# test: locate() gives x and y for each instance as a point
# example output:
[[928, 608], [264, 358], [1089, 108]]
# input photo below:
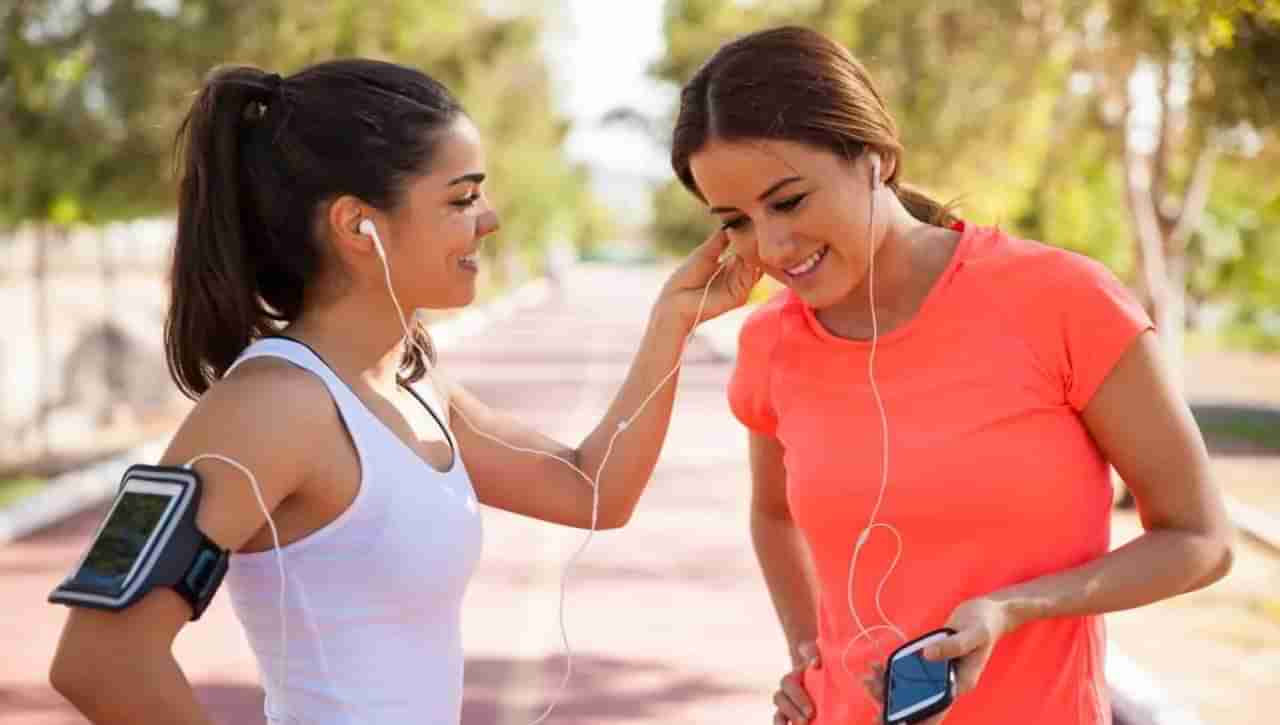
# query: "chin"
[[464, 297], [821, 297]]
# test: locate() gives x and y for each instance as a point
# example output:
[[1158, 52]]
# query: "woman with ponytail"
[[316, 213], [933, 407]]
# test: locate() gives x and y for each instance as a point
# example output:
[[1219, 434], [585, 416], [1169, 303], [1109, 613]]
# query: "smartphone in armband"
[[148, 539]]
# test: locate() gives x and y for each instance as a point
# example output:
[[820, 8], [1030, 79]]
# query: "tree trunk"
[[1171, 315], [1150, 249], [1161, 233]]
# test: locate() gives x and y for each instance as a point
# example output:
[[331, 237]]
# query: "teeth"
[[806, 265], [471, 258]]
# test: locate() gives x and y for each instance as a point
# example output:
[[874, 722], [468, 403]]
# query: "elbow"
[[78, 672], [614, 520], [74, 678], [1217, 557], [1225, 547]]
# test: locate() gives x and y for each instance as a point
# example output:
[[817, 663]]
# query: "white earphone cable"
[[367, 227], [593, 483], [865, 534], [283, 670]]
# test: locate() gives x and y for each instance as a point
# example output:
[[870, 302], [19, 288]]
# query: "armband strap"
[[148, 539]]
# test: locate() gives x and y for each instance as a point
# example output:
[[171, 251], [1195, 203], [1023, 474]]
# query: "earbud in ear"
[[876, 181], [367, 228]]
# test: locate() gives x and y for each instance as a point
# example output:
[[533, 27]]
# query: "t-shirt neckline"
[[967, 232]]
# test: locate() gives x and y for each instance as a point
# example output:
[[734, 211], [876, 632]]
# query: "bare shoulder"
[[263, 402], [271, 417]]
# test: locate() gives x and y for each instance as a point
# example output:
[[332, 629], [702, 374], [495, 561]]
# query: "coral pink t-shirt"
[[993, 478]]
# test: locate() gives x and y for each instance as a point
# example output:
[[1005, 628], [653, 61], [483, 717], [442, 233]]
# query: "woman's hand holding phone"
[[978, 624]]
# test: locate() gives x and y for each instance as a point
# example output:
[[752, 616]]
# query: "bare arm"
[[1144, 427], [780, 547], [118, 667], [789, 573], [535, 485], [546, 489]]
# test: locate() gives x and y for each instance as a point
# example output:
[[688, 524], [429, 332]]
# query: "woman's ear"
[[888, 166], [342, 220]]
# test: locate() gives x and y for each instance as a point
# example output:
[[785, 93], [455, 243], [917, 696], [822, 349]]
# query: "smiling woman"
[[934, 408], [317, 213]]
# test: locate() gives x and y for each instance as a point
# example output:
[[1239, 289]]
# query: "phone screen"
[[130, 527], [915, 683]]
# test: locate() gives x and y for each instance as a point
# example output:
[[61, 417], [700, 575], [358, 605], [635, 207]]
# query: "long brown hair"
[[792, 84], [257, 155]]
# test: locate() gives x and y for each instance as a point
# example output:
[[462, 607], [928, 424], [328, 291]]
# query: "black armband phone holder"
[[148, 539]]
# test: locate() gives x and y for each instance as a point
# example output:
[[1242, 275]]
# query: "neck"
[[899, 276], [357, 333]]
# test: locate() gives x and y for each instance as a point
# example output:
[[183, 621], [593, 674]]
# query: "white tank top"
[[373, 599]]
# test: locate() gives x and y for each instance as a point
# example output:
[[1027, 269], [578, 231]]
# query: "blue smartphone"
[[916, 688]]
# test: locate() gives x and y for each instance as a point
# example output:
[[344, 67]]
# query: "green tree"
[[91, 94], [1210, 65], [91, 100]]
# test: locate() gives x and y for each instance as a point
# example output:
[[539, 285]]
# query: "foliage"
[[92, 93]]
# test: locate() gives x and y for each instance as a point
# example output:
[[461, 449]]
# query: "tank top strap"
[[353, 412]]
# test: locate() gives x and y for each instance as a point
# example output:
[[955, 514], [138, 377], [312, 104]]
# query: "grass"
[[1251, 339], [16, 488], [1258, 427], [1235, 337]]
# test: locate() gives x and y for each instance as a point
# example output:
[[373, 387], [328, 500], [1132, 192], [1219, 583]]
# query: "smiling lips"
[[808, 265], [470, 262]]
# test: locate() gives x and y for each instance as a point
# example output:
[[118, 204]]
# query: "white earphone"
[[368, 229], [865, 534]]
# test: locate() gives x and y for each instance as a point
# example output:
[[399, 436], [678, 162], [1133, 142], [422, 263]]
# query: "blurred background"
[[1144, 134]]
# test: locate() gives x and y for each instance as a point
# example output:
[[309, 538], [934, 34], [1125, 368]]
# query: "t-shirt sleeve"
[[1099, 320], [749, 393]]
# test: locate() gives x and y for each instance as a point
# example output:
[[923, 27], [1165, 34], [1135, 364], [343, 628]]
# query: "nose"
[[773, 244], [487, 223]]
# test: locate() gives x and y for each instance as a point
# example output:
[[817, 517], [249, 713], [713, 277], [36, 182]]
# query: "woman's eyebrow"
[[777, 185], [475, 178]]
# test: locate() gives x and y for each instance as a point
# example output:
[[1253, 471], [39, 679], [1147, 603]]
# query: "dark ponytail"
[[257, 155]]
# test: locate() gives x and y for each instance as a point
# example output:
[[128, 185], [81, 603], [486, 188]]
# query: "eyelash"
[[467, 201], [785, 206]]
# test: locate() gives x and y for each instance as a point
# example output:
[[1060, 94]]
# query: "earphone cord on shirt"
[[275, 538], [863, 630]]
